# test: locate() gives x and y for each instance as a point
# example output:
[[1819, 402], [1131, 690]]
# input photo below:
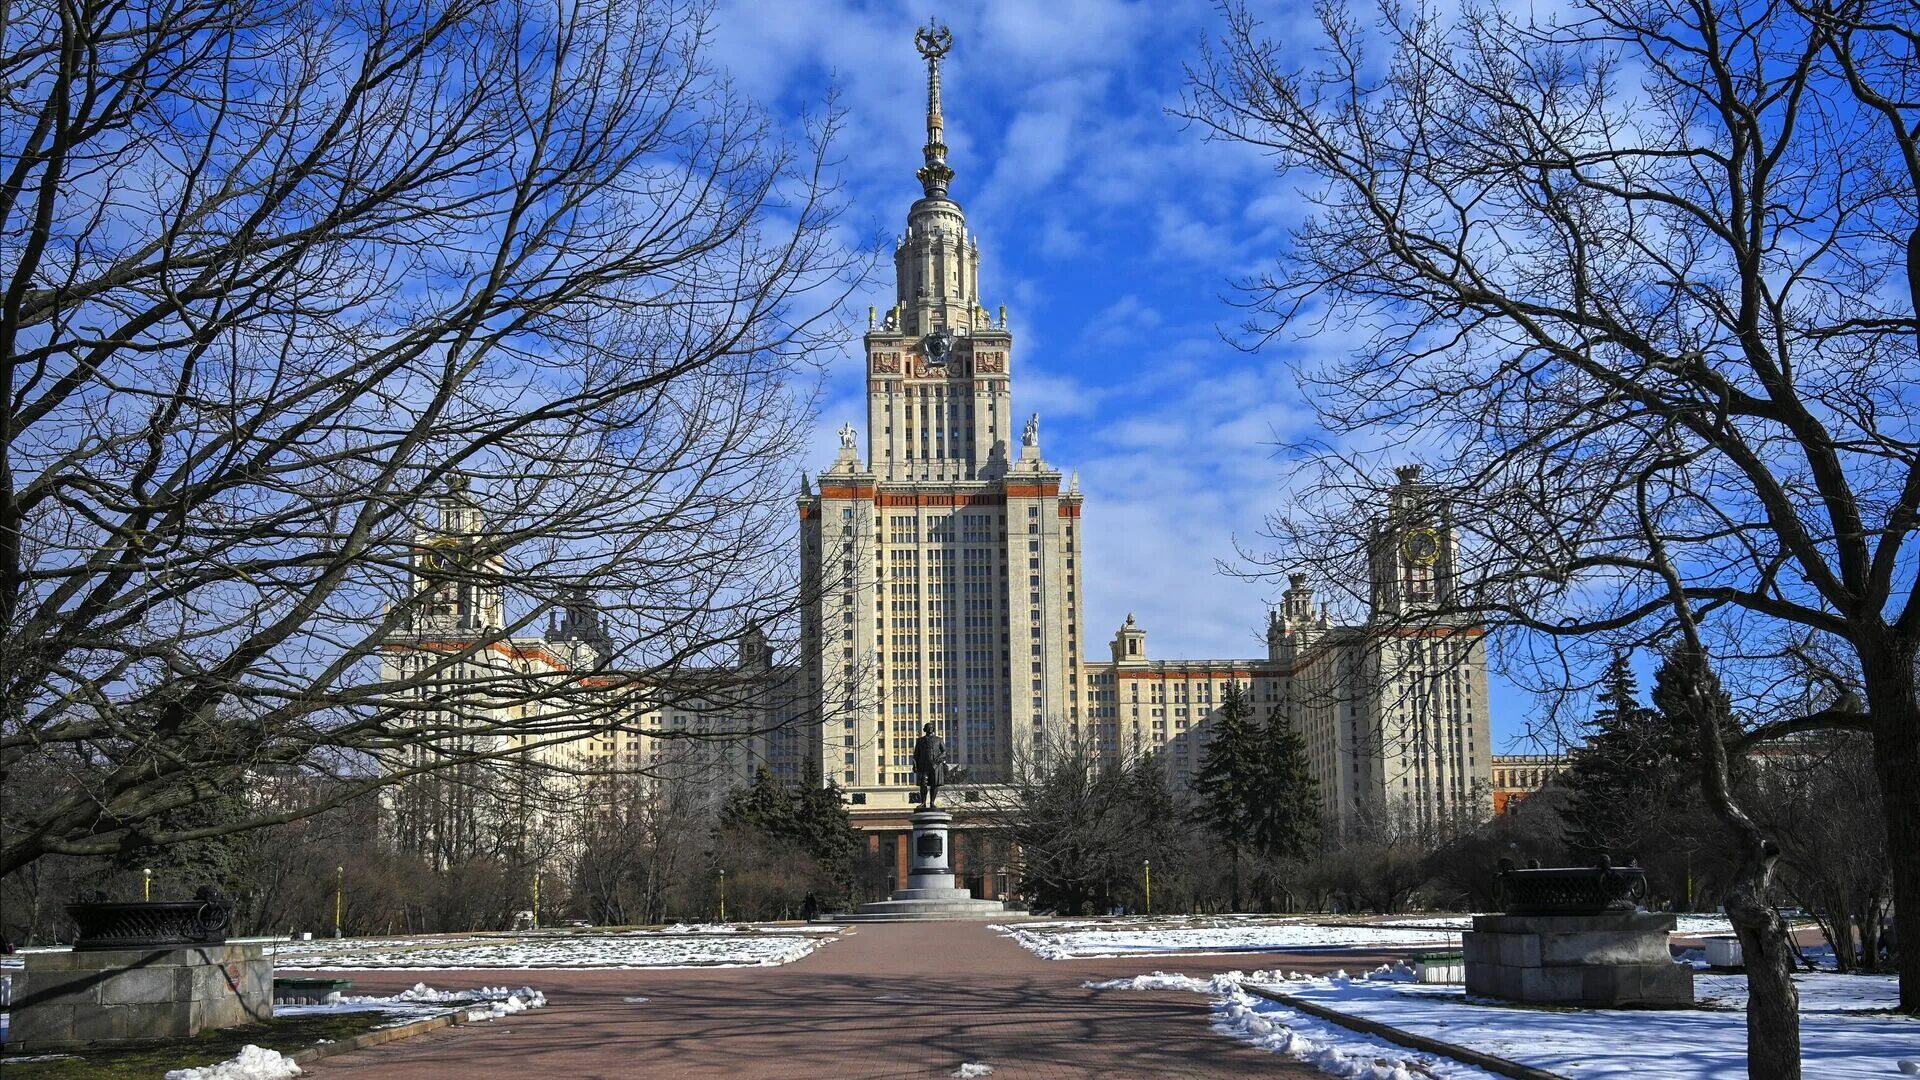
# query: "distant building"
[[944, 569], [1516, 776], [948, 566], [528, 720]]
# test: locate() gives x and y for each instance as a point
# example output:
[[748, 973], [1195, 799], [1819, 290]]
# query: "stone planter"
[[108, 924], [69, 999], [1574, 936]]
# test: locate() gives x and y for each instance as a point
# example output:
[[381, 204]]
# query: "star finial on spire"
[[934, 42]]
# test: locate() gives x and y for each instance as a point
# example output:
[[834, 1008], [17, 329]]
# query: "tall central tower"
[[946, 562], [939, 402]]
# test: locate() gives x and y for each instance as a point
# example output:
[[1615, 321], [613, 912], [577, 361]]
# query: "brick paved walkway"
[[862, 1006]]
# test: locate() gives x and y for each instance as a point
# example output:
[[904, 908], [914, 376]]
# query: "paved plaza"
[[883, 1000]]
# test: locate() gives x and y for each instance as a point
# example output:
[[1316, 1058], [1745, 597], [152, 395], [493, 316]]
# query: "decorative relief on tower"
[[886, 363], [990, 362]]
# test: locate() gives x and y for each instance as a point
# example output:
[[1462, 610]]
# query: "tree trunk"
[[1773, 1004], [1869, 956], [1889, 682]]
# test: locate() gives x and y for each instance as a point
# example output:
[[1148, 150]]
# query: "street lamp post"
[[723, 896], [536, 899], [1147, 865], [339, 896], [146, 884]]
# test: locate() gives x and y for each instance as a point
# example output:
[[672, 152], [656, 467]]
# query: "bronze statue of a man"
[[929, 765]]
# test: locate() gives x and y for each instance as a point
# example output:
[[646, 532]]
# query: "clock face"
[[1422, 546], [937, 346], [438, 556]]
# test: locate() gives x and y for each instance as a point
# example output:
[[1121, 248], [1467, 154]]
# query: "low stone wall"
[[1609, 960], [68, 999]]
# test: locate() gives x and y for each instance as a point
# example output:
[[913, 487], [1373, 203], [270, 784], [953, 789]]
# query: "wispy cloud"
[[1112, 234]]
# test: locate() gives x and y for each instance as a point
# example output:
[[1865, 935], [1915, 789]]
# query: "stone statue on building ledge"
[[929, 765], [1031, 436], [848, 436]]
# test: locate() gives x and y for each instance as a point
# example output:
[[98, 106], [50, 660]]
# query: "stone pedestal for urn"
[[1573, 936], [141, 971], [931, 890]]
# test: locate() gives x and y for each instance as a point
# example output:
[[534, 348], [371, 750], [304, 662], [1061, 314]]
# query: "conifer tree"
[[1286, 803], [1611, 773], [1228, 780]]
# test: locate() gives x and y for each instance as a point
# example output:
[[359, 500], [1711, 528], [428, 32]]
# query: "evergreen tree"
[[1285, 811], [1610, 774], [1634, 792], [782, 830], [764, 806], [1228, 780], [180, 868]]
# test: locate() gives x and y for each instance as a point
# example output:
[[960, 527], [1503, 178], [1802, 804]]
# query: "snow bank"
[[1328, 1047], [252, 1063], [421, 1000], [1072, 943], [653, 950], [1839, 1040], [972, 1070]]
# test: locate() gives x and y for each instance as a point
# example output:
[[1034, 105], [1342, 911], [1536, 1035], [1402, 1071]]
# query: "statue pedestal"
[[930, 860], [1608, 960], [931, 891]]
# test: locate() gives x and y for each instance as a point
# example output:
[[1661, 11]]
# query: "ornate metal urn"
[[1570, 890], [111, 924]]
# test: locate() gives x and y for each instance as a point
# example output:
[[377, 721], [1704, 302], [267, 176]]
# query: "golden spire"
[[934, 41]]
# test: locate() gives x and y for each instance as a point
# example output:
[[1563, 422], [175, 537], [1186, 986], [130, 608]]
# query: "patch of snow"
[[421, 1000], [1072, 943], [649, 950], [972, 1070], [1820, 992], [252, 1063], [1328, 1047], [1837, 1042]]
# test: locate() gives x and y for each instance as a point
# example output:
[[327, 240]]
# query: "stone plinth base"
[[68, 999], [1607, 961], [931, 892]]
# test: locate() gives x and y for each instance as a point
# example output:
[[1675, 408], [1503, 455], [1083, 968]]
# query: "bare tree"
[[641, 840], [1808, 794], [1083, 822], [1574, 246], [306, 305]]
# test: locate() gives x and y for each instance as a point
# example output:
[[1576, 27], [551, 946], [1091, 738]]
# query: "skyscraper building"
[[945, 563], [942, 568], [945, 560]]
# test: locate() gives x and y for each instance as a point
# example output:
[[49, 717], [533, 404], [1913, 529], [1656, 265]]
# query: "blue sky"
[[1113, 235]]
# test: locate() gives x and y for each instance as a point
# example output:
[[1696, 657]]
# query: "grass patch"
[[149, 1061]]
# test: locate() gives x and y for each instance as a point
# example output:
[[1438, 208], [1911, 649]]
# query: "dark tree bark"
[[278, 276], [1569, 250], [1687, 688]]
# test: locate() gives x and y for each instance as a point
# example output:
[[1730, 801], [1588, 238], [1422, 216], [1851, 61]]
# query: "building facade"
[[530, 729], [942, 564], [1516, 776], [946, 562]]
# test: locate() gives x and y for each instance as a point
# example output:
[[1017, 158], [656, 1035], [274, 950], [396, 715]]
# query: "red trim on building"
[[975, 498], [1041, 490], [1196, 673], [510, 651], [846, 491]]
